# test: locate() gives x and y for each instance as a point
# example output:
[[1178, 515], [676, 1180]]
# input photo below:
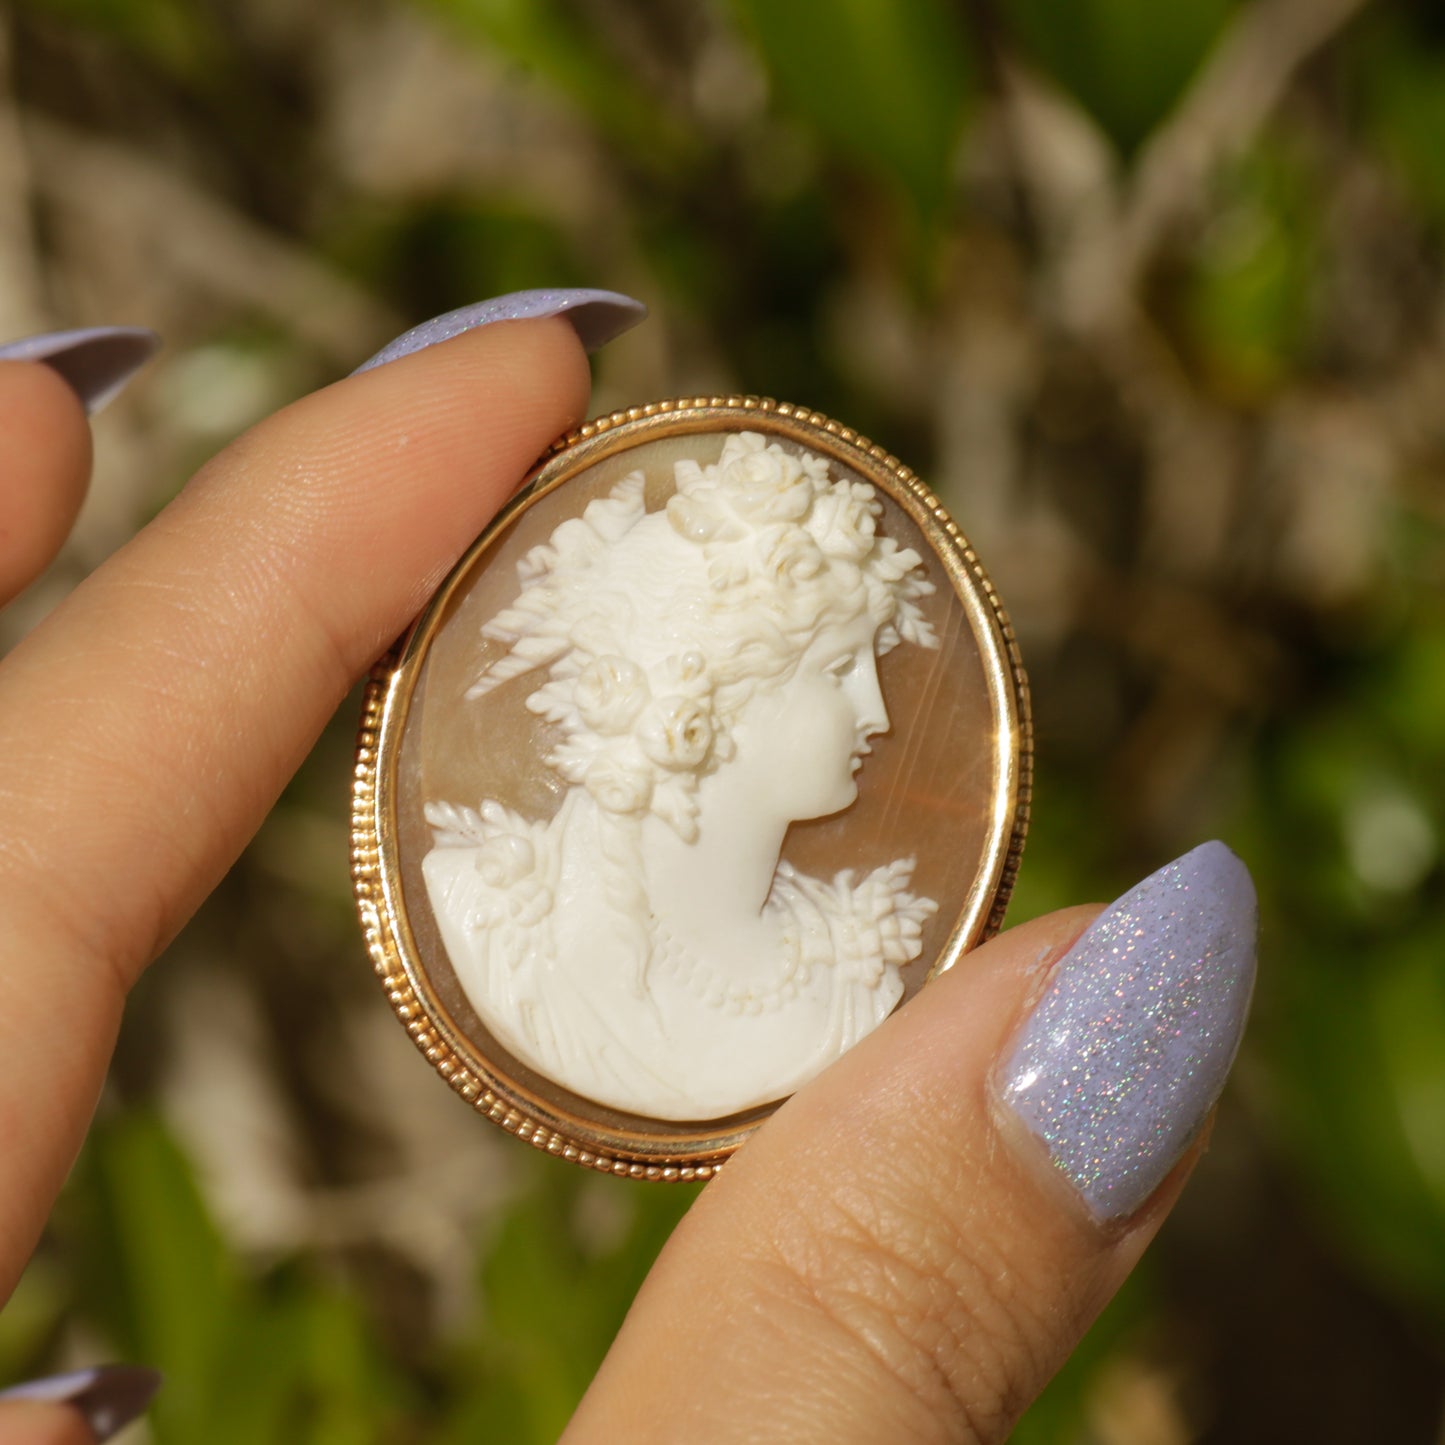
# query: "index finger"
[[147, 726]]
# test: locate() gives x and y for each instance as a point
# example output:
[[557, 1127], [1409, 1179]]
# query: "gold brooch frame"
[[552, 1120]]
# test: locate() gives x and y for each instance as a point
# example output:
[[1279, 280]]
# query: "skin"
[[28, 1422], [889, 1258], [46, 467]]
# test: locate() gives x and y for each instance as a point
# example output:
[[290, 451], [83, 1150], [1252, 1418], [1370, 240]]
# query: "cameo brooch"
[[712, 750]]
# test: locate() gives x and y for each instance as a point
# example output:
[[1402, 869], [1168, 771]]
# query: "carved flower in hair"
[[504, 859], [610, 692], [507, 862], [675, 733], [790, 556], [698, 519], [767, 486], [618, 787], [844, 526], [687, 673]]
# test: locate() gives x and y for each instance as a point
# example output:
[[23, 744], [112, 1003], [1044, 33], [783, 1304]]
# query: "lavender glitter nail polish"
[[1126, 1053], [596, 316]]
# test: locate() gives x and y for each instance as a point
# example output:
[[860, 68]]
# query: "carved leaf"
[[454, 826]]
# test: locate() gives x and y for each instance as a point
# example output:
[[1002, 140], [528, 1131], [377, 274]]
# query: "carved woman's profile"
[[706, 673]]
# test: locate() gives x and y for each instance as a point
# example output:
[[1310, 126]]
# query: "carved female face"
[[800, 744]]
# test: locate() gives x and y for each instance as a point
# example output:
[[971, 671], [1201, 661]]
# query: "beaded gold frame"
[[552, 1119]]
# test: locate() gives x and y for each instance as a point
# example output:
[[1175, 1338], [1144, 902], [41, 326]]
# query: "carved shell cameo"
[[711, 751]]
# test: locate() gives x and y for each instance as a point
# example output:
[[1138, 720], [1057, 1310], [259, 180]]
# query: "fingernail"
[[97, 361], [1123, 1058], [596, 316], [109, 1396]]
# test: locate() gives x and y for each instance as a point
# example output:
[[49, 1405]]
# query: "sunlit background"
[[1152, 293]]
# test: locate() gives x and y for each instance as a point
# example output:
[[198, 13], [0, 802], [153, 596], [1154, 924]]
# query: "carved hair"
[[656, 627]]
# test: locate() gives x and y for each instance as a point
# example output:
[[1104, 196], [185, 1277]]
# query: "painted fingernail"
[[1123, 1058], [109, 1396], [596, 316], [97, 361]]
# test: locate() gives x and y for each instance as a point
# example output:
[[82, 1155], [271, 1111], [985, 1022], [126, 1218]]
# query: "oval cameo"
[[712, 750]]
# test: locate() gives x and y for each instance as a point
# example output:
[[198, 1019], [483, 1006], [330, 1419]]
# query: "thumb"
[[911, 1247]]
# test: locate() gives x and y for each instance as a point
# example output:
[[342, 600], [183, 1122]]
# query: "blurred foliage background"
[[1153, 295]]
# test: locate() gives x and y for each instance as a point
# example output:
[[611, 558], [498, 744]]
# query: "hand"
[[916, 1241]]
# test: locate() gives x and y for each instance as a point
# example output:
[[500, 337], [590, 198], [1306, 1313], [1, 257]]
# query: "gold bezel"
[[689, 1152]]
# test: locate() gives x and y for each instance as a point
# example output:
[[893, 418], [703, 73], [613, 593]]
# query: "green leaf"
[[157, 1272], [1409, 1013], [1248, 301], [176, 35], [540, 1311], [448, 246], [348, 1381], [884, 81], [1125, 61], [1411, 694], [256, 1395], [558, 1278], [1404, 90], [547, 40], [1342, 1074], [290, 1357], [34, 1311]]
